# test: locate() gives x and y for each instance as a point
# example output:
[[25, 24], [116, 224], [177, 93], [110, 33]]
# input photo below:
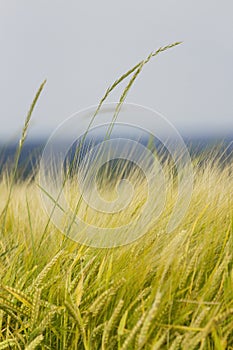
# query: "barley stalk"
[[132, 334], [19, 150], [111, 323], [148, 321], [33, 345]]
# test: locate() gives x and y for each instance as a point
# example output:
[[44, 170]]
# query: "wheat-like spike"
[[228, 331], [37, 341], [191, 343], [19, 150], [20, 284], [92, 295], [6, 344], [189, 269], [140, 298], [74, 282], [47, 319], [162, 313], [113, 343], [123, 97], [148, 320], [214, 285], [130, 71], [70, 338], [97, 330], [132, 333], [51, 281], [35, 307], [221, 317], [158, 344], [144, 302], [81, 274], [200, 277], [100, 301], [29, 115], [49, 305], [195, 340], [220, 290], [72, 311], [46, 270], [6, 304], [111, 323], [198, 320], [137, 68], [75, 313], [78, 292], [90, 269], [176, 343], [8, 313], [19, 295]]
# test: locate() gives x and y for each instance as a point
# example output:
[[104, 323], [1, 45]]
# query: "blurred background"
[[82, 47]]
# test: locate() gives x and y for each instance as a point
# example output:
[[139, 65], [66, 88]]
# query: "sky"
[[81, 47]]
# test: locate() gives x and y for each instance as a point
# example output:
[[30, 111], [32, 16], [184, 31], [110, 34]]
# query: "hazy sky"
[[82, 46]]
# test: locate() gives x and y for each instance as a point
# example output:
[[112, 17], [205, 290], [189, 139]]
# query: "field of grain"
[[163, 291]]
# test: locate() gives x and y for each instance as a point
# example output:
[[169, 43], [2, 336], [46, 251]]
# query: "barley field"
[[163, 291]]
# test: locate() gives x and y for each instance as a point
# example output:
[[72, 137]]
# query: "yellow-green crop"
[[164, 291]]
